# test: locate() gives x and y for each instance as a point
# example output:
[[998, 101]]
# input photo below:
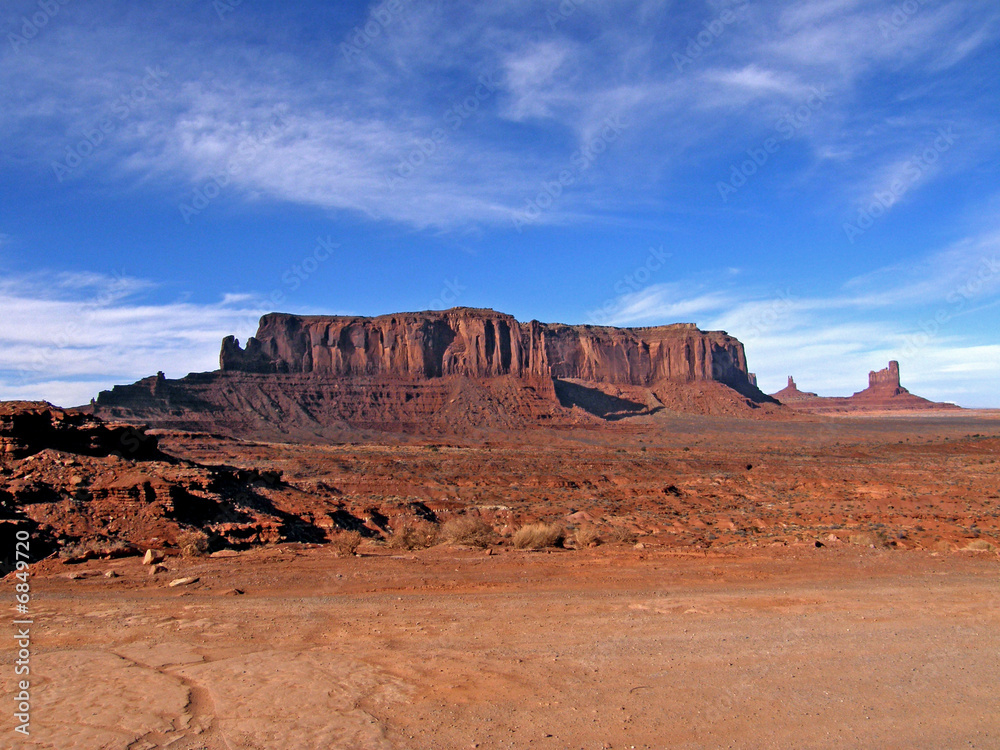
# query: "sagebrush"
[[346, 543], [539, 536], [468, 530], [410, 536]]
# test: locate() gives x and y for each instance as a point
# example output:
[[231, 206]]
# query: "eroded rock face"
[[72, 478], [27, 427], [442, 372], [483, 344]]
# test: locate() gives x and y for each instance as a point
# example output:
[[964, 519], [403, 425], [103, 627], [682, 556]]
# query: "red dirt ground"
[[726, 626]]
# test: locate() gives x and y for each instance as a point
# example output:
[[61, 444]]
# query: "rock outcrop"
[[74, 480], [887, 379], [27, 427]]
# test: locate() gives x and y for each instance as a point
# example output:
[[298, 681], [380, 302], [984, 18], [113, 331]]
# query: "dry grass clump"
[[410, 536], [192, 542], [868, 539], [468, 530], [980, 545], [346, 543], [586, 536], [620, 535], [539, 536], [94, 548]]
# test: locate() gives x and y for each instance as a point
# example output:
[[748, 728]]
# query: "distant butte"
[[884, 393], [790, 393]]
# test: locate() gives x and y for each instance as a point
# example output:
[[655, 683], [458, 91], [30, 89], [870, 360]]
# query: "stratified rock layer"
[[27, 427], [443, 372], [69, 477], [483, 344]]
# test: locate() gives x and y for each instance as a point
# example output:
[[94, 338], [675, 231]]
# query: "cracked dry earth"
[[449, 648]]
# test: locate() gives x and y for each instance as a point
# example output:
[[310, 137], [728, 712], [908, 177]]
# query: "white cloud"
[[531, 79], [90, 332], [829, 343], [348, 126], [752, 81], [662, 302]]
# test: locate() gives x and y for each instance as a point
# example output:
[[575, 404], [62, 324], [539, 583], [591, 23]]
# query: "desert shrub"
[[346, 543], [620, 535], [192, 542], [868, 539], [980, 545], [539, 535], [468, 530], [586, 535], [90, 549], [418, 535]]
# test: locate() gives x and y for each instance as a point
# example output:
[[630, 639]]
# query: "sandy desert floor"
[[444, 648], [727, 627]]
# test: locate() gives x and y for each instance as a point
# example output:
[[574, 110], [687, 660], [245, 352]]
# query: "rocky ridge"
[[74, 480]]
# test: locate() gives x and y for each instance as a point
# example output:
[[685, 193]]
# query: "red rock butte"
[[791, 393], [884, 393], [887, 379], [483, 343], [444, 371]]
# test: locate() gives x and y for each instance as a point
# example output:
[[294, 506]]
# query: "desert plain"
[[809, 582]]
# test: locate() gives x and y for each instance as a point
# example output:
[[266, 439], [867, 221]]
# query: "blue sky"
[[819, 178]]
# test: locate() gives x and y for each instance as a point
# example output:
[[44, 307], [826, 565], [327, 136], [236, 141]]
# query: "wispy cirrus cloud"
[[351, 122], [912, 312]]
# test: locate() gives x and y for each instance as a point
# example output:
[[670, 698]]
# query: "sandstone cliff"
[[482, 344], [443, 372]]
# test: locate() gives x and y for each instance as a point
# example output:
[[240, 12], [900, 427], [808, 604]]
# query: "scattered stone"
[[158, 568], [152, 557], [233, 592], [187, 581], [76, 558], [225, 553], [640, 545], [81, 574], [110, 574]]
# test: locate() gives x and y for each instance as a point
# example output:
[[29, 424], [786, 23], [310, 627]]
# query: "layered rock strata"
[[482, 344], [450, 371]]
